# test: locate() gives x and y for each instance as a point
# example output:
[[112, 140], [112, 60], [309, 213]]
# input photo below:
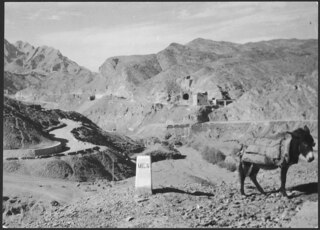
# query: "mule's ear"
[[306, 129], [292, 134]]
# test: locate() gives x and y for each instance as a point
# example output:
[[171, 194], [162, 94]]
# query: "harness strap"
[[284, 149]]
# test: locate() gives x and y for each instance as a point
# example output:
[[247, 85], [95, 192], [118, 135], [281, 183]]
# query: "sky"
[[90, 32]]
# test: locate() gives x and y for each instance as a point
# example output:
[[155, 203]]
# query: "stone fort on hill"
[[187, 97]]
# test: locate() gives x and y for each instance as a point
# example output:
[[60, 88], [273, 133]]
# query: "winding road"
[[64, 133], [72, 142]]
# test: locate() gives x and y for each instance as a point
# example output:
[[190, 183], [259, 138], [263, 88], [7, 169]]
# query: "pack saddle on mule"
[[271, 153]]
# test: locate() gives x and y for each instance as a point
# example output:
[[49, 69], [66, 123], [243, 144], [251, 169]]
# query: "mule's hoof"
[[277, 190], [290, 194], [284, 194], [262, 192]]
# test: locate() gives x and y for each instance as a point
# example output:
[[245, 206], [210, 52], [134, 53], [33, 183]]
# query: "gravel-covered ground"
[[188, 199]]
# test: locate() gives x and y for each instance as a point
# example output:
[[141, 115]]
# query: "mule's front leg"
[[283, 179]]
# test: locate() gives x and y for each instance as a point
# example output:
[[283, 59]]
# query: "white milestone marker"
[[143, 175]]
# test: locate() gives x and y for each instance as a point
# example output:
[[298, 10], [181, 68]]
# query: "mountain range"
[[274, 79]]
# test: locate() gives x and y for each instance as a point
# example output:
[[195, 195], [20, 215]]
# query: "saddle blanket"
[[267, 151]]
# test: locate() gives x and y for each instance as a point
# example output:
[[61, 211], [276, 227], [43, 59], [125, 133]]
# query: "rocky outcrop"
[[44, 74], [39, 59], [124, 74], [293, 98]]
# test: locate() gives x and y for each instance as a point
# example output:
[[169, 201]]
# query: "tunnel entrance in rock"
[[185, 96]]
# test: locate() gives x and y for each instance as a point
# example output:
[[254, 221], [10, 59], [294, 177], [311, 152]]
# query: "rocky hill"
[[125, 73], [22, 57], [44, 75], [20, 130], [219, 67], [268, 80], [292, 98], [132, 86], [28, 126]]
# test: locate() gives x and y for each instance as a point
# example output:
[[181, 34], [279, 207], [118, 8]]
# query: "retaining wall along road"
[[44, 153], [56, 147]]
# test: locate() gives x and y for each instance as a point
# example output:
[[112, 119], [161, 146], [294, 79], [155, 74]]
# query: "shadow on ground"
[[175, 190], [306, 189], [303, 189]]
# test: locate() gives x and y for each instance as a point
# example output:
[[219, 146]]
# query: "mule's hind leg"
[[242, 177], [253, 177], [244, 168]]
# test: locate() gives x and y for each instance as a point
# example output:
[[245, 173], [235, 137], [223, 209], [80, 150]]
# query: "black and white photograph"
[[151, 114]]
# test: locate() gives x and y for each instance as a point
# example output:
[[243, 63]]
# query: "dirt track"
[[43, 188], [187, 193], [189, 170]]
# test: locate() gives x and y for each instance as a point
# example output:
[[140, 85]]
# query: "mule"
[[301, 143]]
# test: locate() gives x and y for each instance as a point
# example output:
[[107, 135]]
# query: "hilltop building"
[[186, 83], [213, 101], [186, 94], [200, 99], [187, 97]]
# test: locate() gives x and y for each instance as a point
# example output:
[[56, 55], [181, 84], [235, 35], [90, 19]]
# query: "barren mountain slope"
[[223, 69], [228, 70], [43, 74], [45, 59], [20, 130], [38, 121], [15, 82], [229, 67], [29, 126], [218, 47], [10, 52], [130, 116], [125, 73], [292, 98]]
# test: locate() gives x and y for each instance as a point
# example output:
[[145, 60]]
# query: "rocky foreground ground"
[[185, 200]]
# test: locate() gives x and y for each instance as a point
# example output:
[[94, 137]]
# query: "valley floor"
[[186, 193]]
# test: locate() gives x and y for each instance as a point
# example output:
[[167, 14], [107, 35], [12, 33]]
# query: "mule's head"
[[306, 142]]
